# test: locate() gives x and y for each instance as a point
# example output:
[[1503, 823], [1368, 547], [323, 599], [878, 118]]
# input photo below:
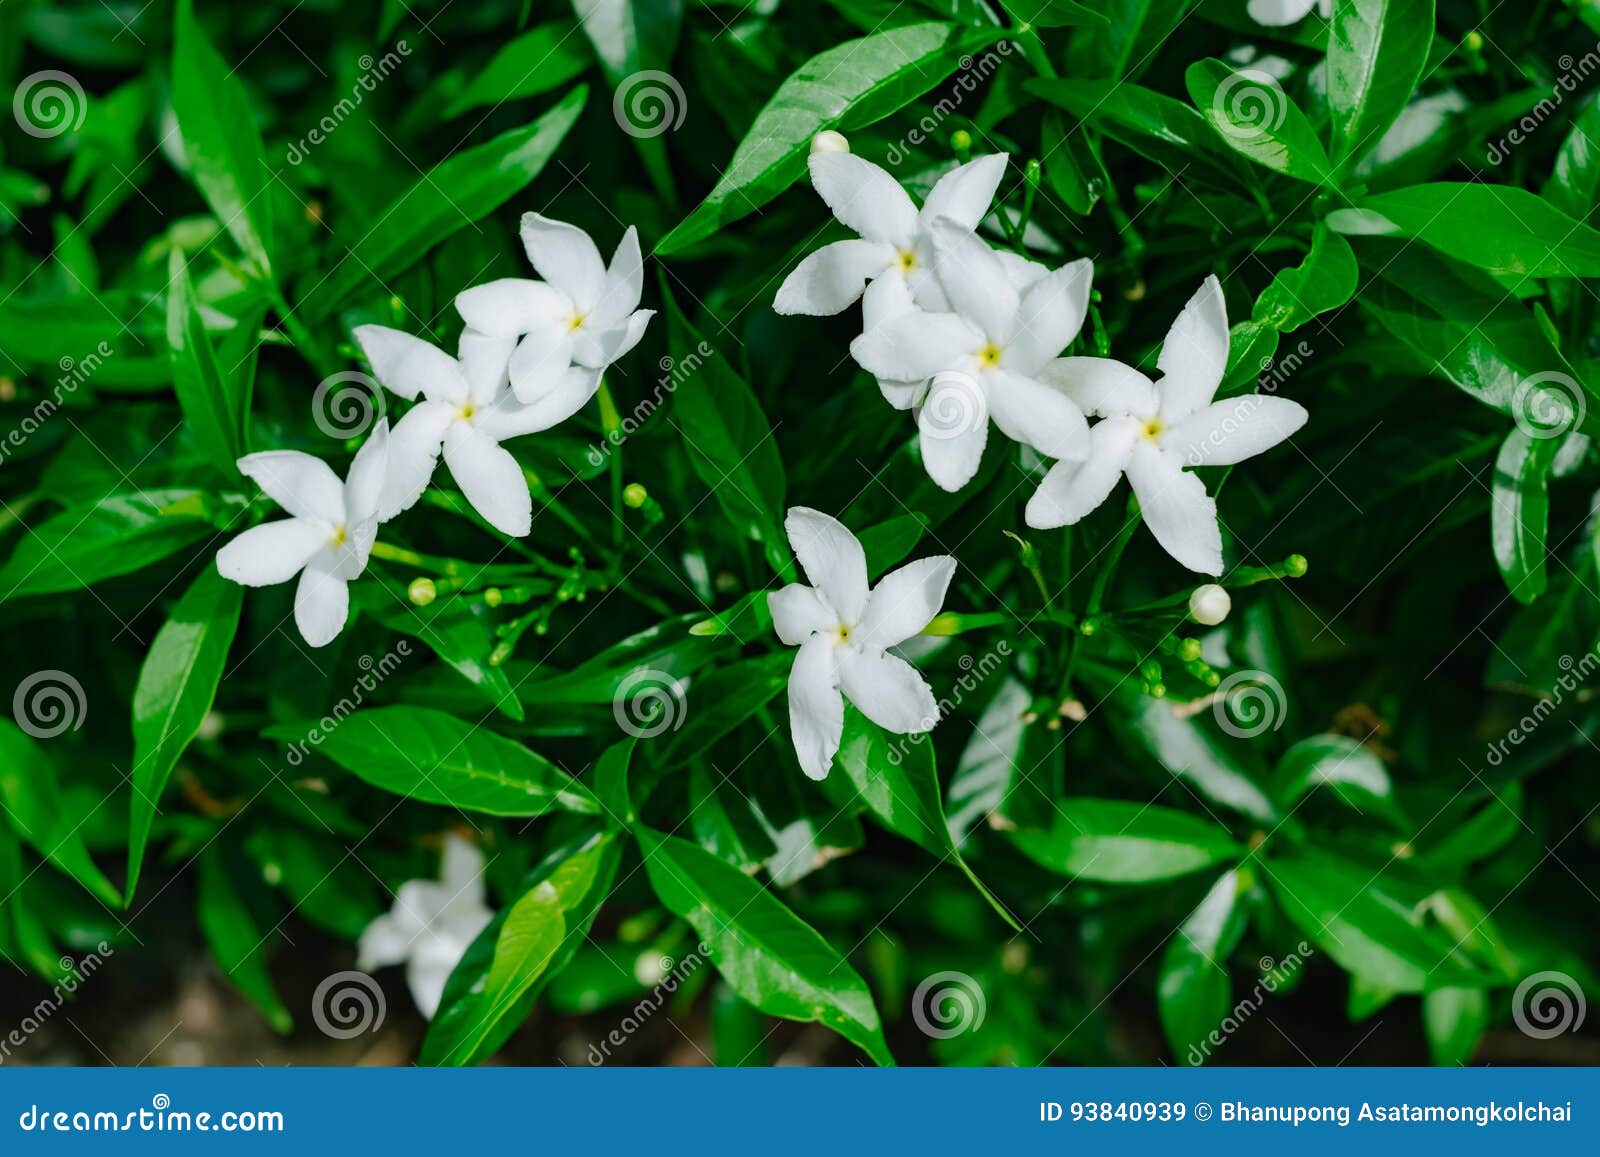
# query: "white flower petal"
[[565, 257], [408, 366], [623, 286], [321, 601], [271, 553], [461, 874], [885, 299], [509, 418], [540, 361], [304, 486], [888, 691], [832, 558], [975, 281], [1277, 13], [631, 330], [1049, 317], [597, 349], [900, 395], [1176, 508], [1234, 429], [1043, 418], [490, 478], [414, 446], [486, 362], [965, 193], [1194, 354], [1020, 271], [364, 484], [798, 612], [905, 601], [433, 959], [1103, 387], [816, 712], [951, 454], [513, 306], [832, 278], [915, 346], [384, 942], [865, 198], [1072, 490]]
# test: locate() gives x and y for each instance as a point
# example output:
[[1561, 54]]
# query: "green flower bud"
[[423, 591], [635, 495]]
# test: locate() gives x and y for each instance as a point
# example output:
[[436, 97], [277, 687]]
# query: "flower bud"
[[1209, 605], [422, 591], [828, 141], [961, 140], [635, 495], [1296, 565]]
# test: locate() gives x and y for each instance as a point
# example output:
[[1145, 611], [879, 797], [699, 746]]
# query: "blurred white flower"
[[582, 317], [843, 630], [431, 925], [1277, 13], [1153, 431], [325, 540]]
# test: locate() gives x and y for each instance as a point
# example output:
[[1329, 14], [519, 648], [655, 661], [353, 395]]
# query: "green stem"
[[611, 423], [303, 341]]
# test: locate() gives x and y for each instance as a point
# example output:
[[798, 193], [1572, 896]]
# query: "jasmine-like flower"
[[844, 630], [1209, 604], [468, 409], [981, 360], [894, 243], [431, 925], [325, 540], [1278, 13], [1153, 431], [582, 317]]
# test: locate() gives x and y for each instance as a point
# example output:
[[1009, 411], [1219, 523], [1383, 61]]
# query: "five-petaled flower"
[[1153, 431], [844, 630], [431, 925], [326, 538]]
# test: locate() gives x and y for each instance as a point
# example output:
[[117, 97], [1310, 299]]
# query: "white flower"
[[1209, 604], [1009, 321], [326, 538], [843, 631], [583, 315], [894, 248], [431, 925], [467, 410], [1151, 432], [1277, 13]]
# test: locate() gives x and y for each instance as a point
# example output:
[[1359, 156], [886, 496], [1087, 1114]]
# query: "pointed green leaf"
[[1377, 50], [1119, 842], [1194, 993], [1257, 119], [30, 793], [1519, 515], [214, 408]]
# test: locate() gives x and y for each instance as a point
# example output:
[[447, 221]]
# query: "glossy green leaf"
[[1455, 1020], [321, 877], [722, 701], [1119, 842], [1341, 765], [1519, 515], [540, 60], [31, 796], [635, 40], [1156, 126], [1377, 50], [1193, 991], [766, 953], [1257, 119], [214, 407], [236, 931], [1324, 281], [176, 687], [1574, 184]]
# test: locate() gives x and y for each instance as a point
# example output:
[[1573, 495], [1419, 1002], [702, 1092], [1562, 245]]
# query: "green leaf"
[[731, 444], [452, 195], [1346, 768], [611, 783], [1194, 993], [721, 701], [540, 60], [667, 651], [887, 544], [1574, 184], [1519, 515], [1325, 281], [221, 140], [1455, 1020], [895, 777], [176, 687], [1184, 747], [324, 881], [1118, 842], [432, 757], [848, 87], [635, 40], [1255, 117], [766, 953], [462, 634], [235, 932], [1501, 228], [1155, 126], [215, 411], [1377, 50], [115, 536], [31, 796]]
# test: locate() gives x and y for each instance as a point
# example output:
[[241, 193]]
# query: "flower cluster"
[[963, 333], [531, 355]]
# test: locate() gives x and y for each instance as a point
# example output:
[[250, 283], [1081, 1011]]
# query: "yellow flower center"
[[841, 634], [338, 537], [989, 356], [908, 261], [465, 411], [577, 321], [1152, 429]]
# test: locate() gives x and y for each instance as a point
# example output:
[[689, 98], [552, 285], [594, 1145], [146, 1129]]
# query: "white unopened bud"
[[1209, 605], [828, 141]]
